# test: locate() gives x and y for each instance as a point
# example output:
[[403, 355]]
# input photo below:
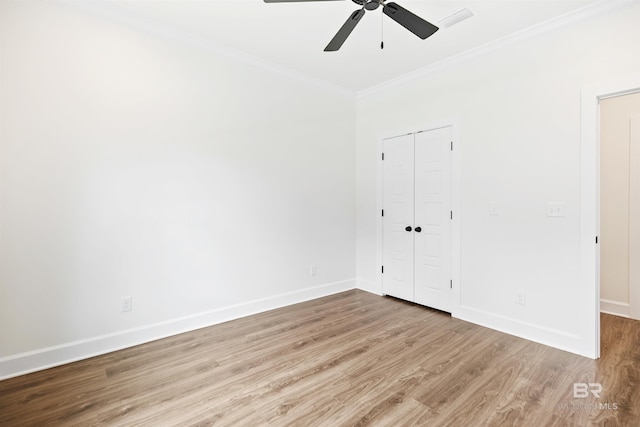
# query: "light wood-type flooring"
[[350, 359]]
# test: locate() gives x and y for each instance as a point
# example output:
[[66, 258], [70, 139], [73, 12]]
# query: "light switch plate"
[[555, 209]]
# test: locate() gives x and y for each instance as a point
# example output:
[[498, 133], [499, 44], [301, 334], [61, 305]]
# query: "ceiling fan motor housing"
[[368, 4]]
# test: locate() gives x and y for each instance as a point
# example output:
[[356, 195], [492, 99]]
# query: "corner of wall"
[[369, 286]]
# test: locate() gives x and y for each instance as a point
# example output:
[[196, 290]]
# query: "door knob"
[[408, 228], [418, 229]]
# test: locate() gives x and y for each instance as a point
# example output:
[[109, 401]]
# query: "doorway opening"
[[590, 204], [620, 205]]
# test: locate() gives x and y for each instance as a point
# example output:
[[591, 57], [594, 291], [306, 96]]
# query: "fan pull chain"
[[382, 31]]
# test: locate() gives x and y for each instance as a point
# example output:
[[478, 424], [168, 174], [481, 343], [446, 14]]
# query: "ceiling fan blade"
[[411, 22], [342, 34], [293, 1]]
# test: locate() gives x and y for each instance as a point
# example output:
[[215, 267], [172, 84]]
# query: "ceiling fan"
[[402, 16]]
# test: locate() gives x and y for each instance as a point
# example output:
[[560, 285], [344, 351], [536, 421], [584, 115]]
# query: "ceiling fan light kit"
[[402, 16]]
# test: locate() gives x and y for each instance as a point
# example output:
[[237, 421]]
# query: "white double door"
[[417, 216]]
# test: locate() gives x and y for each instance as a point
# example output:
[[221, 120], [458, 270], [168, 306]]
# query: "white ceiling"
[[293, 35]]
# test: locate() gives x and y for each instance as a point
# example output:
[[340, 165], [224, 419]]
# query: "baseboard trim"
[[548, 336], [49, 357], [369, 286], [614, 307]]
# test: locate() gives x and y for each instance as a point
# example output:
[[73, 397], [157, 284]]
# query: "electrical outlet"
[[126, 304], [520, 297], [313, 270]]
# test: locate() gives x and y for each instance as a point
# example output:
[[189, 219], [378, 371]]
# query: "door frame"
[[634, 226], [590, 199], [454, 124]]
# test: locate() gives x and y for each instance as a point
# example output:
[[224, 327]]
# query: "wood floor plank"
[[350, 359]]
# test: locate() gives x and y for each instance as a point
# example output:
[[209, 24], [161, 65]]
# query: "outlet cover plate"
[[126, 304]]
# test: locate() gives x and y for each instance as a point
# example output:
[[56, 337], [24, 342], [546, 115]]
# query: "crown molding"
[[110, 11], [113, 13], [601, 7]]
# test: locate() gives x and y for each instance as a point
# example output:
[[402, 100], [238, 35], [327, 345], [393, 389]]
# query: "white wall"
[[615, 114], [132, 164], [519, 113], [203, 187]]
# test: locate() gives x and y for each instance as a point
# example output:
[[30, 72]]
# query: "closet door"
[[397, 234], [433, 218]]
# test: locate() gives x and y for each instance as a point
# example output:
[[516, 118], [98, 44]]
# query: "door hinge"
[[382, 212], [596, 240], [383, 269], [452, 215], [451, 145], [382, 156], [451, 284]]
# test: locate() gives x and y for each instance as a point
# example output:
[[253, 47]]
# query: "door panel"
[[432, 215], [398, 191]]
